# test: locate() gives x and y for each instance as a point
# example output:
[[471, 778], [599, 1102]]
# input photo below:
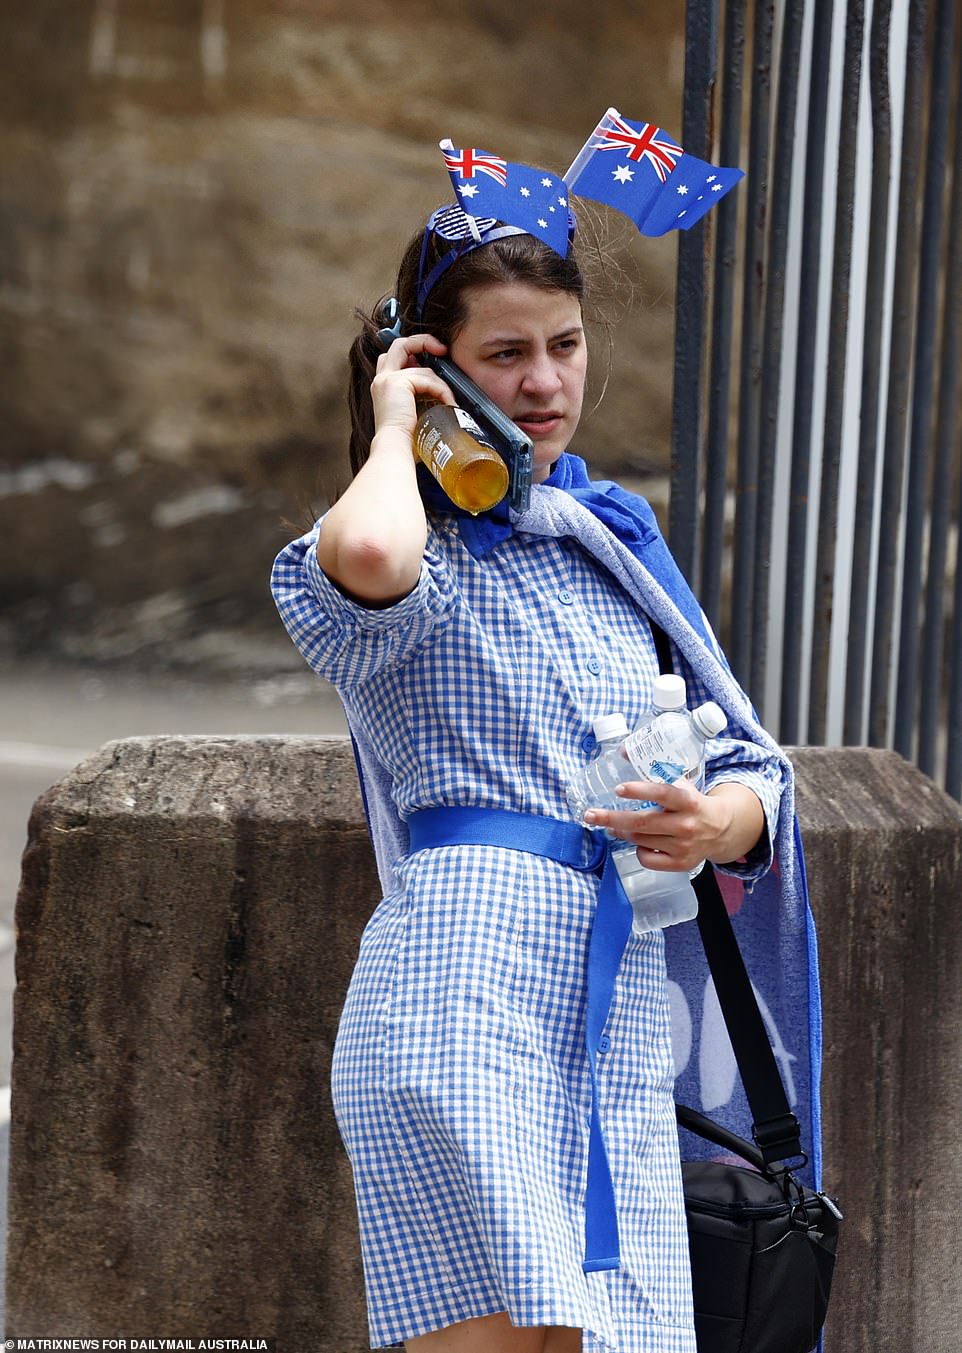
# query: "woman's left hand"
[[688, 826]]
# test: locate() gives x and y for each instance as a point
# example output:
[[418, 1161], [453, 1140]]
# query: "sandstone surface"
[[194, 194]]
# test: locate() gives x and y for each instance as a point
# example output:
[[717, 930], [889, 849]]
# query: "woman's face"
[[525, 347]]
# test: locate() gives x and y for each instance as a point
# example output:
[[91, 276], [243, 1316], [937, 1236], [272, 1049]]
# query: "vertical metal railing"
[[779, 224], [722, 327], [866, 491], [831, 457], [949, 435], [741, 628], [701, 41], [899, 383], [918, 503], [845, 397], [805, 339]]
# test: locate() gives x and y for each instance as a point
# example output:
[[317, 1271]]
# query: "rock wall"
[[194, 194]]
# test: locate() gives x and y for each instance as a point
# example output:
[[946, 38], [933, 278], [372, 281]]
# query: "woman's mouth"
[[539, 424]]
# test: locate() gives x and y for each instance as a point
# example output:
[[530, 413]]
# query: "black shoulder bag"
[[762, 1244]]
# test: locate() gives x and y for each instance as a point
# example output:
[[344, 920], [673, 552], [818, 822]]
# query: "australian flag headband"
[[634, 167], [463, 233]]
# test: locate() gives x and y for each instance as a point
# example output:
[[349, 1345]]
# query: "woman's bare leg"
[[495, 1334]]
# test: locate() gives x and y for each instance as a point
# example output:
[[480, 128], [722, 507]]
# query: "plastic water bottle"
[[658, 899], [670, 747]]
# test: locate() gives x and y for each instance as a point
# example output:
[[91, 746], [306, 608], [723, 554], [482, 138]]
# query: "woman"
[[472, 656]]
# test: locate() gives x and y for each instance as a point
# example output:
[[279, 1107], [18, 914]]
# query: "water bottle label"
[[669, 771]]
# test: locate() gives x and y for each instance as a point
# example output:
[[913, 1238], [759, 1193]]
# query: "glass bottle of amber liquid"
[[461, 458]]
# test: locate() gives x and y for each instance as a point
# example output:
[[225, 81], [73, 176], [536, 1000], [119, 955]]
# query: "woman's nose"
[[541, 374]]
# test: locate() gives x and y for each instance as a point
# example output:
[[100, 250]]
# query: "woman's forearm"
[[372, 540], [745, 821]]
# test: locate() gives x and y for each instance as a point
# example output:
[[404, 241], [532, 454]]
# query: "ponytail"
[[362, 366]]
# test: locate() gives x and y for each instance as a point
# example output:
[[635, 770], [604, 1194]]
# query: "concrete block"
[[188, 919], [883, 847]]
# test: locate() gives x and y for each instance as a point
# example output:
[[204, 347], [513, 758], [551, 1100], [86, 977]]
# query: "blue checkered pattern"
[[460, 1079]]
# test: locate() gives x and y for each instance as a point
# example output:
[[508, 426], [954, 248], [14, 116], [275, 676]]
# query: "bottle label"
[[669, 771], [441, 454], [467, 422], [434, 445]]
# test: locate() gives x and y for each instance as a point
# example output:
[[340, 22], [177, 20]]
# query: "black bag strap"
[[714, 1132], [775, 1128]]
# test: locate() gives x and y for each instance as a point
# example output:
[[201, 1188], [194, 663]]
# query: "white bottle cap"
[[668, 691], [610, 726], [709, 719]]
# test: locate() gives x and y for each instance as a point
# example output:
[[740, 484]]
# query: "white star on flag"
[[468, 190], [562, 201], [525, 192], [711, 178], [717, 188], [623, 174], [542, 223], [682, 188], [546, 183]]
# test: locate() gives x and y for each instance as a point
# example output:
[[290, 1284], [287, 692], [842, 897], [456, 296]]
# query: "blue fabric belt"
[[565, 843]]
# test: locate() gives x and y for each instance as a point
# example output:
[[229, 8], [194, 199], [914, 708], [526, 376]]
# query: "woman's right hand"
[[372, 540], [401, 380]]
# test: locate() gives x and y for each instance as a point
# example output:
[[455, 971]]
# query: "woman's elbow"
[[366, 568]]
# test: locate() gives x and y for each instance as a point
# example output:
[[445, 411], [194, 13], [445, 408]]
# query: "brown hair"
[[515, 258]]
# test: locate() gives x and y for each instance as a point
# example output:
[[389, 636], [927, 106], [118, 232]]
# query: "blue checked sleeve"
[[343, 641], [748, 764]]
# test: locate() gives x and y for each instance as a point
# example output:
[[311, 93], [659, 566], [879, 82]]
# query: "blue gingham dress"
[[460, 1079]]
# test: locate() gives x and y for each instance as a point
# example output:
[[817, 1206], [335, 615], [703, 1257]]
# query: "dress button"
[[604, 1043], [566, 598], [593, 666], [588, 743]]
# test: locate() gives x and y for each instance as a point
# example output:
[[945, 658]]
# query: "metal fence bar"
[[917, 285], [701, 42], [723, 292], [835, 387], [786, 106], [866, 486], [948, 448], [746, 501], [790, 720], [920, 439], [899, 381]]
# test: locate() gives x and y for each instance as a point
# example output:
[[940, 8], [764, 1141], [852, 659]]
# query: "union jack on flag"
[[653, 182], [520, 195], [645, 142], [468, 163]]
